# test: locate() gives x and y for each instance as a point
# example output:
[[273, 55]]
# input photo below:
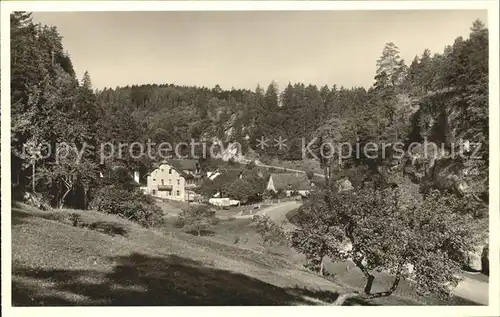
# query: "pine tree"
[[425, 68], [391, 64], [86, 82]]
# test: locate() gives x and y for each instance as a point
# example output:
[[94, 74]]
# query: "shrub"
[[179, 223], [240, 189], [75, 219], [269, 231], [270, 194], [37, 200], [197, 218], [310, 174], [129, 204], [251, 165], [280, 193]]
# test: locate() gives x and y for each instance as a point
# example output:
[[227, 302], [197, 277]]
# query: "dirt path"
[[474, 289], [278, 212], [279, 168]]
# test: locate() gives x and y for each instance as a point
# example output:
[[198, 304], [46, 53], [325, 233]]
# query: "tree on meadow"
[[197, 218], [380, 232], [270, 232]]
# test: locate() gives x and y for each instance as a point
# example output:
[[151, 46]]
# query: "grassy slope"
[[55, 263]]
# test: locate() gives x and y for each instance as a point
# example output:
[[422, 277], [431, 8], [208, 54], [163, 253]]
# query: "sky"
[[241, 49]]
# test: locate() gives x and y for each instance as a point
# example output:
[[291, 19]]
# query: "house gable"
[[290, 181], [173, 180], [270, 184]]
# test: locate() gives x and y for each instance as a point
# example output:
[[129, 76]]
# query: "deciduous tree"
[[198, 218], [378, 233]]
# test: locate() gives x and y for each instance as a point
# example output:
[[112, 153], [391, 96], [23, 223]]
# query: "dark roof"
[[184, 165], [294, 181], [179, 165]]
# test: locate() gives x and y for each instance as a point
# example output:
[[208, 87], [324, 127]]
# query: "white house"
[[174, 179]]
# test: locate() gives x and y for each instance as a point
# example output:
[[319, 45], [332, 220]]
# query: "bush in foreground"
[[129, 204]]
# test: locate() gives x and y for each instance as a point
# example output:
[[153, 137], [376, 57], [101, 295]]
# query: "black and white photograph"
[[220, 153]]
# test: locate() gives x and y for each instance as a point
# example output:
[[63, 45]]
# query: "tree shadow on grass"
[[107, 227], [203, 233], [143, 280], [18, 216]]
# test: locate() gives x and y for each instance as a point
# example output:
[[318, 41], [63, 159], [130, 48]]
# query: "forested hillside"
[[441, 97]]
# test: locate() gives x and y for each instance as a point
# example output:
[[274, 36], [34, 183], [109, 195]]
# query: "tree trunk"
[[199, 232], [33, 180], [322, 268], [327, 174], [84, 199], [61, 201], [370, 279]]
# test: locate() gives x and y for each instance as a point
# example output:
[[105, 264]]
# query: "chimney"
[[136, 177]]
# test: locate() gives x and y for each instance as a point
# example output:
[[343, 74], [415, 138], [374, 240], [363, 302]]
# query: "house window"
[[162, 182], [178, 182], [154, 179], [178, 193], [170, 181], [154, 192], [162, 169], [170, 171]]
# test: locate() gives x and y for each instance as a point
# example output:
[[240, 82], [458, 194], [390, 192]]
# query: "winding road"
[[473, 287], [257, 163], [276, 212]]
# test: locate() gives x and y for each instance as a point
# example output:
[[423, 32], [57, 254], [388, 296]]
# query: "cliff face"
[[455, 151], [454, 157]]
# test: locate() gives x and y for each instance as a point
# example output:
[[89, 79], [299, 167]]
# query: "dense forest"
[[441, 97]]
